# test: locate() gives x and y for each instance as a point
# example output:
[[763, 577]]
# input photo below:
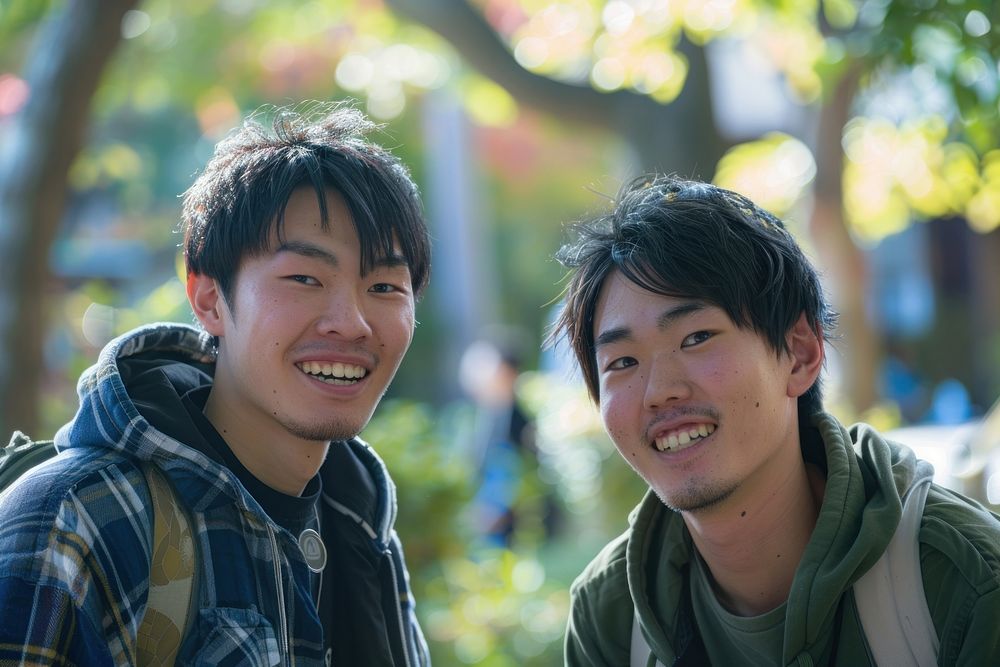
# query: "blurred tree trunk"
[[682, 138], [846, 264], [70, 51]]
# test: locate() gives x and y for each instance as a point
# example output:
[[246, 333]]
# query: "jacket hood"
[[161, 362], [866, 478], [108, 416]]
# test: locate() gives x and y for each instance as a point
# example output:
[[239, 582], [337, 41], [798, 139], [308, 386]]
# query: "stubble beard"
[[327, 431], [333, 429], [324, 432], [695, 498]]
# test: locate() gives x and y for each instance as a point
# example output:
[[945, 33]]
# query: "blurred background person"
[[502, 443]]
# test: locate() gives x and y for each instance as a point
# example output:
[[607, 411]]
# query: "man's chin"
[[696, 499], [323, 432]]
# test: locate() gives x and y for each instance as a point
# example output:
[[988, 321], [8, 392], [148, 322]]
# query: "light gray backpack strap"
[[171, 576], [640, 651], [890, 596]]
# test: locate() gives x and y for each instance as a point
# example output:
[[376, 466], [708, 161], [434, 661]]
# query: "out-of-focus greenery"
[[484, 605], [432, 486]]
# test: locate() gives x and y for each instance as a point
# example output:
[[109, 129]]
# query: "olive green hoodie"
[[645, 570]]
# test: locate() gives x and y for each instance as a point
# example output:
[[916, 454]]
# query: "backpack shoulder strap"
[[640, 651], [20, 455], [171, 576], [890, 597]]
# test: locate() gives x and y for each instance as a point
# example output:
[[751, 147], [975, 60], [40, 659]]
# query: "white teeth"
[[681, 439], [333, 373]]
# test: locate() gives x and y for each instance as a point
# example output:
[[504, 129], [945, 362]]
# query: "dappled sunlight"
[[774, 171], [984, 206], [895, 171], [382, 73], [489, 105], [794, 46], [618, 45]]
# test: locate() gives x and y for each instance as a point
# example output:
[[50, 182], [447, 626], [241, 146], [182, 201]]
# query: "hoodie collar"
[[354, 477], [357, 483], [866, 477]]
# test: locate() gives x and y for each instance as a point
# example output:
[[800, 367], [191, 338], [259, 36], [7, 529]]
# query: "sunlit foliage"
[[892, 171], [774, 171]]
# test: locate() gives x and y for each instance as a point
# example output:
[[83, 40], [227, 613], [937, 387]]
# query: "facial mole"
[[743, 513], [757, 404]]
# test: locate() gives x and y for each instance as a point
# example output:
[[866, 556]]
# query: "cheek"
[[395, 330], [616, 417]]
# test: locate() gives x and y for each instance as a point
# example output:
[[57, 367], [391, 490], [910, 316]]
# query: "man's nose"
[[666, 382], [345, 316]]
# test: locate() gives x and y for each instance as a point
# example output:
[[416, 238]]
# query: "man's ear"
[[805, 347], [207, 302]]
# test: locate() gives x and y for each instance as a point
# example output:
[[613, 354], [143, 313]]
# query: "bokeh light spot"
[[14, 93], [977, 24], [135, 23], [608, 74]]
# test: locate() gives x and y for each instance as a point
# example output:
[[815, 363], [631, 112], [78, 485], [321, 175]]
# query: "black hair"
[[688, 239], [239, 199]]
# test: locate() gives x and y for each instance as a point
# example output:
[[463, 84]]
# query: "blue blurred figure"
[[503, 434], [950, 403]]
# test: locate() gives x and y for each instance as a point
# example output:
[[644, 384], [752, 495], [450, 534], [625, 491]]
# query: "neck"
[[753, 545], [280, 460]]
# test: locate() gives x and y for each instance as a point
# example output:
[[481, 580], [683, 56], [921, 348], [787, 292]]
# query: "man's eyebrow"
[[664, 320], [612, 336], [680, 311], [390, 261], [314, 251], [309, 250]]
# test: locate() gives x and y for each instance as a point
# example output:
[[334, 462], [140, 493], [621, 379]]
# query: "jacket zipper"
[[281, 596]]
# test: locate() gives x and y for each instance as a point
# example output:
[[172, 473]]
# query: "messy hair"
[[688, 239], [236, 206]]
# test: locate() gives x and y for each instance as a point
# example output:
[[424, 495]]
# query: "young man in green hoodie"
[[700, 328]]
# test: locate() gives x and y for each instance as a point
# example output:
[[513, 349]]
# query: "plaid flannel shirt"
[[75, 539]]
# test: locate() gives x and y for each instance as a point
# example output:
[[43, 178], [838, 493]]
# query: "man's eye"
[[696, 338], [385, 288], [620, 363], [304, 280]]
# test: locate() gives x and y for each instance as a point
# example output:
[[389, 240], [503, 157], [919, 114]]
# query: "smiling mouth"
[[675, 441], [335, 373]]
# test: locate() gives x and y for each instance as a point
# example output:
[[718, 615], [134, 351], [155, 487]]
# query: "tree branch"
[[679, 137], [474, 39]]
